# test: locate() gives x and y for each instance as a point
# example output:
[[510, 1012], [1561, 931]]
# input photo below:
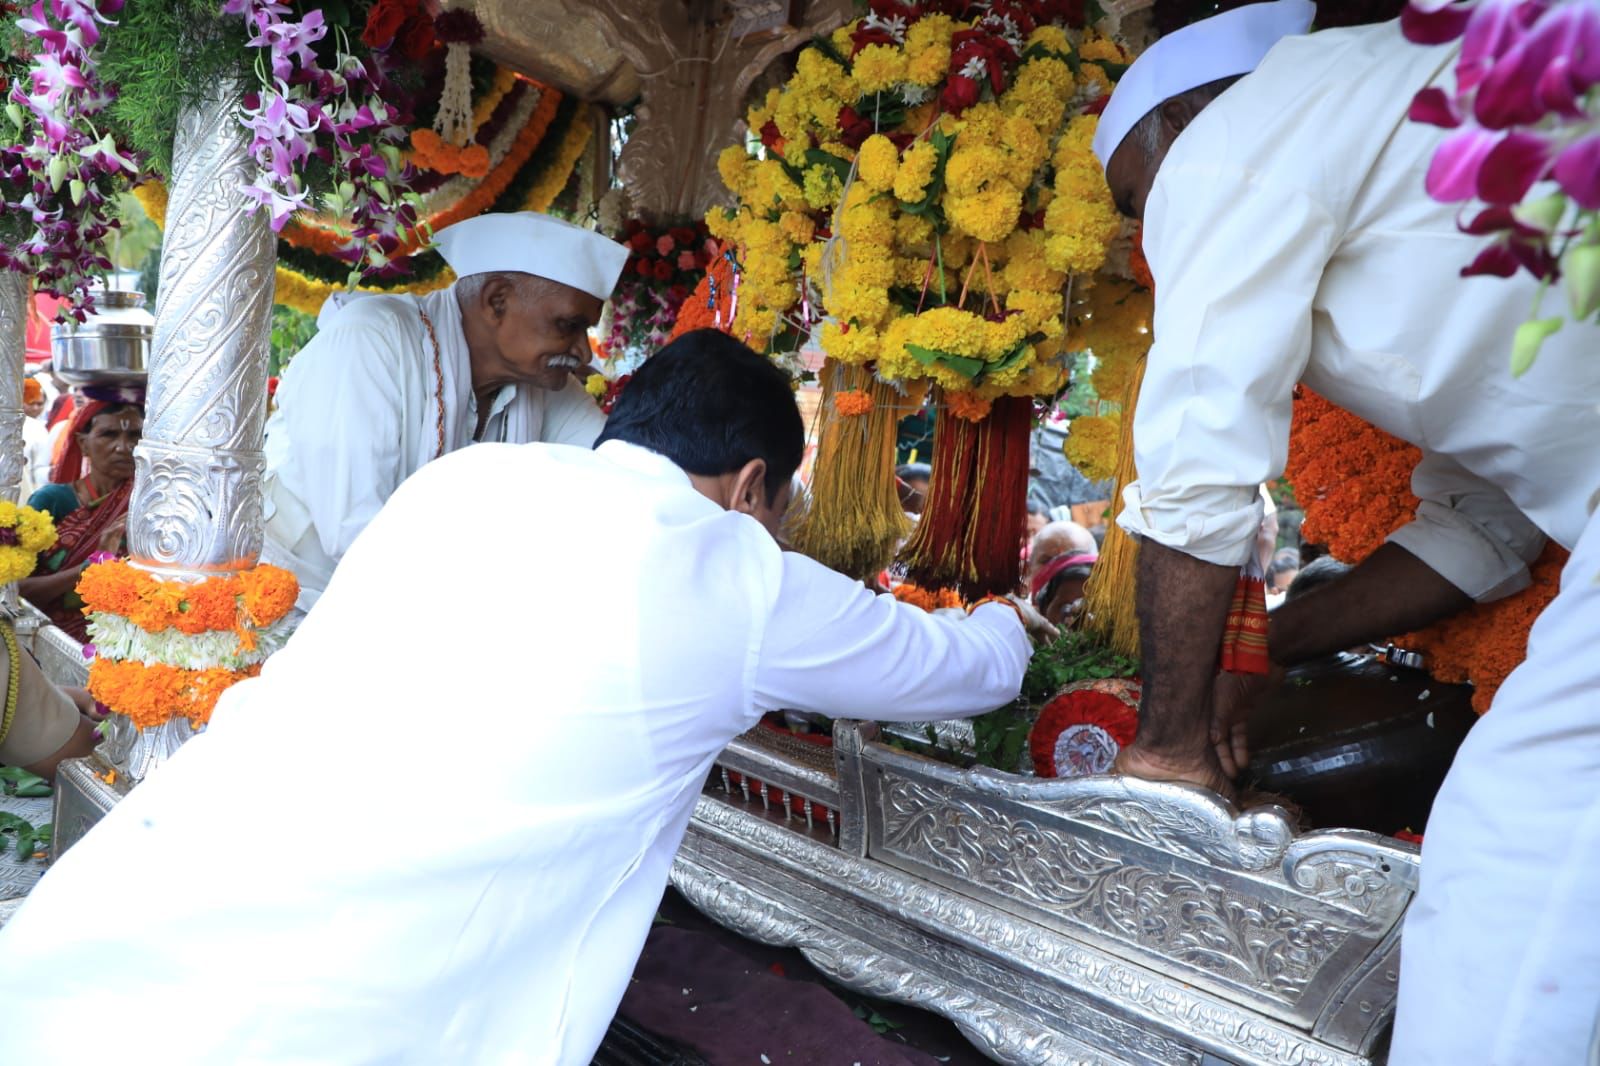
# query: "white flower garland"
[[117, 639]]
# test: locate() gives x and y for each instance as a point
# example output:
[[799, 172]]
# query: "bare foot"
[[1203, 771]]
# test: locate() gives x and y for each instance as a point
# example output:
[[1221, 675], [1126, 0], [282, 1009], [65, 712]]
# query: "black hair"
[[907, 471], [1318, 572], [711, 405]]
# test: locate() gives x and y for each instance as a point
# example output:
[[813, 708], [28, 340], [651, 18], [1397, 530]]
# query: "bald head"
[[1061, 538]]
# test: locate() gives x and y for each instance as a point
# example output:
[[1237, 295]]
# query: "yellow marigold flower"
[[853, 345], [878, 161], [1000, 338], [913, 232], [974, 169], [1092, 446], [951, 330], [1094, 79], [733, 166], [980, 125], [1040, 312], [811, 256], [595, 385], [797, 227], [928, 49], [1022, 139], [865, 220], [987, 216], [915, 172], [1102, 49], [756, 323], [967, 405], [840, 38], [822, 188], [878, 67], [771, 186], [1052, 37]]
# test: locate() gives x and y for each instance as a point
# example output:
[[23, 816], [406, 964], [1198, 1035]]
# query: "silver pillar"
[[13, 350], [196, 507]]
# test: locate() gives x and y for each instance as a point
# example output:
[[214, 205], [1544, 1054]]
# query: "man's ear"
[[495, 297], [1176, 114], [750, 487]]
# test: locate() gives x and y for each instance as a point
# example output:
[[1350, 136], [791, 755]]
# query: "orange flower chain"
[[1353, 481], [167, 649]]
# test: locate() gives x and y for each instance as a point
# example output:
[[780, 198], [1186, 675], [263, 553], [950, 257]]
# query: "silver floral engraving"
[[13, 366], [196, 506]]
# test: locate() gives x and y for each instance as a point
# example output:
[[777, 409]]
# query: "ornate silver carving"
[[13, 366], [196, 506], [1023, 992]]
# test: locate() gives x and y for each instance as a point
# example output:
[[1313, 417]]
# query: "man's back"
[[444, 895], [1289, 225]]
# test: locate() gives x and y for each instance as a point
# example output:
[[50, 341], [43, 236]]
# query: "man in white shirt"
[[1291, 239], [35, 438], [391, 382], [436, 829]]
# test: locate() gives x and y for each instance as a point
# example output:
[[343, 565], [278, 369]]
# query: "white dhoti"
[[1501, 954]]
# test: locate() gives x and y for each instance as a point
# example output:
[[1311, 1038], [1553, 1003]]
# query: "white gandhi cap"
[[1234, 42], [529, 243]]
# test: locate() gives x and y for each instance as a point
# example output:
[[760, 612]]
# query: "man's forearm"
[[1183, 607], [1393, 592]]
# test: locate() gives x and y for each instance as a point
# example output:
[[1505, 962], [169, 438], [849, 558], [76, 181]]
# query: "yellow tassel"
[[854, 522], [1108, 595]]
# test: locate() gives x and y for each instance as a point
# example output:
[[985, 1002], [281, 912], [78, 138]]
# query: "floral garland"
[[165, 649], [1352, 480], [929, 600], [62, 172], [711, 304], [665, 264], [940, 234], [1112, 323], [24, 533], [1522, 113]]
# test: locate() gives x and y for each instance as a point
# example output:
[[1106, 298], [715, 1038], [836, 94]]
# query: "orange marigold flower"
[[269, 593], [927, 599], [968, 405], [474, 161], [853, 403], [111, 587]]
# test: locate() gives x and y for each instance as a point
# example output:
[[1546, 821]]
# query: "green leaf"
[[824, 45], [961, 364], [816, 157]]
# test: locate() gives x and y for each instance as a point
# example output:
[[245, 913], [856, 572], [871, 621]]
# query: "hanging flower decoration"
[[665, 263], [1351, 478], [24, 533], [929, 600], [400, 25], [61, 171], [165, 649], [853, 403], [924, 189], [303, 109], [1523, 113], [1083, 729]]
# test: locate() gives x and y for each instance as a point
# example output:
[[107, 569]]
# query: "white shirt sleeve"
[[347, 430], [1237, 260], [1468, 531], [571, 417], [834, 648]]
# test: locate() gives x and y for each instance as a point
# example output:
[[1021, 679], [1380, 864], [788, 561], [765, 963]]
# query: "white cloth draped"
[[358, 413], [436, 828]]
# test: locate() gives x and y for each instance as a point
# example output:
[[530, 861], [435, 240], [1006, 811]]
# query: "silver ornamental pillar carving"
[[13, 351], [196, 510]]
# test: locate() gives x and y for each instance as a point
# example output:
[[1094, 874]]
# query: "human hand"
[[1037, 625], [1233, 697], [87, 705]]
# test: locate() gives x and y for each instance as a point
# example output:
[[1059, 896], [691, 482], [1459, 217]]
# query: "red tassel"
[[1244, 638], [970, 534]]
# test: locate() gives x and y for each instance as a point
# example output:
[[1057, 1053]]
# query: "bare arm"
[[1392, 592], [47, 588]]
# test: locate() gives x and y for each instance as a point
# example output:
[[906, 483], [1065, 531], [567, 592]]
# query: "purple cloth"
[[693, 990]]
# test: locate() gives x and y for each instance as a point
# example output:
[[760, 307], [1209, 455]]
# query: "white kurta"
[[358, 413], [436, 829], [1291, 239]]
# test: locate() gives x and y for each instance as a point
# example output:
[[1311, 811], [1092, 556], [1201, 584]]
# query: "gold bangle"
[[14, 660]]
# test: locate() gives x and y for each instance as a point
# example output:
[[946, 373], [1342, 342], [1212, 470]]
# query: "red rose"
[[1099, 105], [632, 226], [383, 22], [417, 39], [683, 234], [644, 269], [960, 92], [641, 241], [854, 128], [771, 138], [663, 270], [864, 36]]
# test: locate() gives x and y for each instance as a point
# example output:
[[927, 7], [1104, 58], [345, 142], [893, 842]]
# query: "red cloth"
[[1244, 638], [1048, 572]]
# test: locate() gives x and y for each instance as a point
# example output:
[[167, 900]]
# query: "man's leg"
[[1501, 954]]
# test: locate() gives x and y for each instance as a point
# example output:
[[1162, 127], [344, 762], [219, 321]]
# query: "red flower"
[[383, 22], [1099, 105], [643, 268], [865, 36], [1082, 729], [641, 241], [771, 138], [663, 270], [855, 128], [960, 92], [683, 234], [632, 226], [417, 39]]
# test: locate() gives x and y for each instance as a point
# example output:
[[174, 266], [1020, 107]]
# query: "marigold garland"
[[853, 403], [24, 533], [1353, 481], [929, 600], [968, 405], [165, 649]]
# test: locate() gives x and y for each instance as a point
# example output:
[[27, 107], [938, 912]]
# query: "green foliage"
[[291, 331], [15, 781], [1001, 737], [162, 55]]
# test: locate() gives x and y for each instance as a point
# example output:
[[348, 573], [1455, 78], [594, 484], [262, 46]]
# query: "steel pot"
[[111, 348]]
